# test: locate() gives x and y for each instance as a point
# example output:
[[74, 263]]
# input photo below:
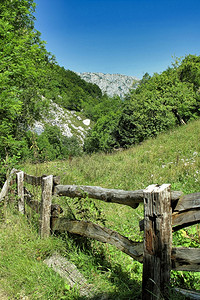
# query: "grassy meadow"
[[172, 157]]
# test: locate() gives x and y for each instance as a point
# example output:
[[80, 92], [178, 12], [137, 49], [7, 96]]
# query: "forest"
[[31, 77]]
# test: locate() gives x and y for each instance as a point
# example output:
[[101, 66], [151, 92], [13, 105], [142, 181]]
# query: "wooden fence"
[[165, 212]]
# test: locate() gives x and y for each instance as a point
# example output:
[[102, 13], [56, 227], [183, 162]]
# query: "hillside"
[[71, 123], [172, 157], [29, 72], [111, 84]]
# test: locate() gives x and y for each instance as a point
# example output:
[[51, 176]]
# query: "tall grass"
[[22, 270], [173, 157]]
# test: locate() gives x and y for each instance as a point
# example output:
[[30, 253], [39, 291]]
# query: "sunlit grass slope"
[[173, 157]]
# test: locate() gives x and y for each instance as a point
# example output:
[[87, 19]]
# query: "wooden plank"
[[20, 192], [185, 219], [181, 220], [37, 180], [34, 204], [102, 234], [56, 180], [191, 201], [130, 198], [183, 259], [5, 188], [72, 275], [186, 259], [12, 188], [45, 213], [56, 209], [189, 294], [157, 241], [107, 195], [34, 180]]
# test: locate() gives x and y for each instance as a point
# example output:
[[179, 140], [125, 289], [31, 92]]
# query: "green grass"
[[173, 157], [22, 270]]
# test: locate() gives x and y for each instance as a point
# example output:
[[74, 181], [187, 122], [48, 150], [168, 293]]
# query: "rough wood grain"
[[37, 180], [182, 258], [185, 213], [181, 220], [45, 213], [130, 198], [191, 201], [157, 241], [185, 218], [186, 259], [33, 180], [189, 294], [102, 234], [20, 191]]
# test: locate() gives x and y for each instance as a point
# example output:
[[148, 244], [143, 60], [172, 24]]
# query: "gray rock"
[[65, 120], [73, 276], [111, 84]]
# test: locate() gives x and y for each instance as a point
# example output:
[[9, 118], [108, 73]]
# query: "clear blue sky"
[[128, 37]]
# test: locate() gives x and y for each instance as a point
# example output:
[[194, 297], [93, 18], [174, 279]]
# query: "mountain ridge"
[[111, 84]]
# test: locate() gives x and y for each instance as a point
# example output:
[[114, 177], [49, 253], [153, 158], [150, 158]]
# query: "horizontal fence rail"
[[165, 212], [130, 198]]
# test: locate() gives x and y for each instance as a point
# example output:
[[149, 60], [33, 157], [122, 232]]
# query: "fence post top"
[[47, 177], [157, 188], [19, 172]]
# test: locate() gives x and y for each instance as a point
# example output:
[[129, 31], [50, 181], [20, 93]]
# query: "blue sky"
[[128, 37]]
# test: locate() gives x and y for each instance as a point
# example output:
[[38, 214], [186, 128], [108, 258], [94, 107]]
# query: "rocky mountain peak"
[[111, 84]]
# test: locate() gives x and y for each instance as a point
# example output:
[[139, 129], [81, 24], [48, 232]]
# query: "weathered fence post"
[[157, 242], [45, 213], [20, 191], [12, 187], [6, 186]]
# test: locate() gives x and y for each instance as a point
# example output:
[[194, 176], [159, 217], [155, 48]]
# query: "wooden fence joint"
[[157, 241]]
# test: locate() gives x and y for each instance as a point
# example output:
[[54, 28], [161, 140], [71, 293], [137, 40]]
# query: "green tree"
[[23, 65], [103, 135], [52, 144], [189, 70]]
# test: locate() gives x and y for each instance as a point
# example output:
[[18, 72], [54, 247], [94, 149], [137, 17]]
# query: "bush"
[[103, 135], [53, 145]]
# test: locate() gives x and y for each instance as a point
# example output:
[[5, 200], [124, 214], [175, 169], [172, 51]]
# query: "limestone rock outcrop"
[[111, 84]]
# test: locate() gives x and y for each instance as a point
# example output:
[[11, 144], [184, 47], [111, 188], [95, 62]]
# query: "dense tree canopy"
[[23, 62], [70, 91], [28, 72]]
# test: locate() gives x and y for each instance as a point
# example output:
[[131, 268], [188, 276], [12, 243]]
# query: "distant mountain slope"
[[111, 84], [71, 123]]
